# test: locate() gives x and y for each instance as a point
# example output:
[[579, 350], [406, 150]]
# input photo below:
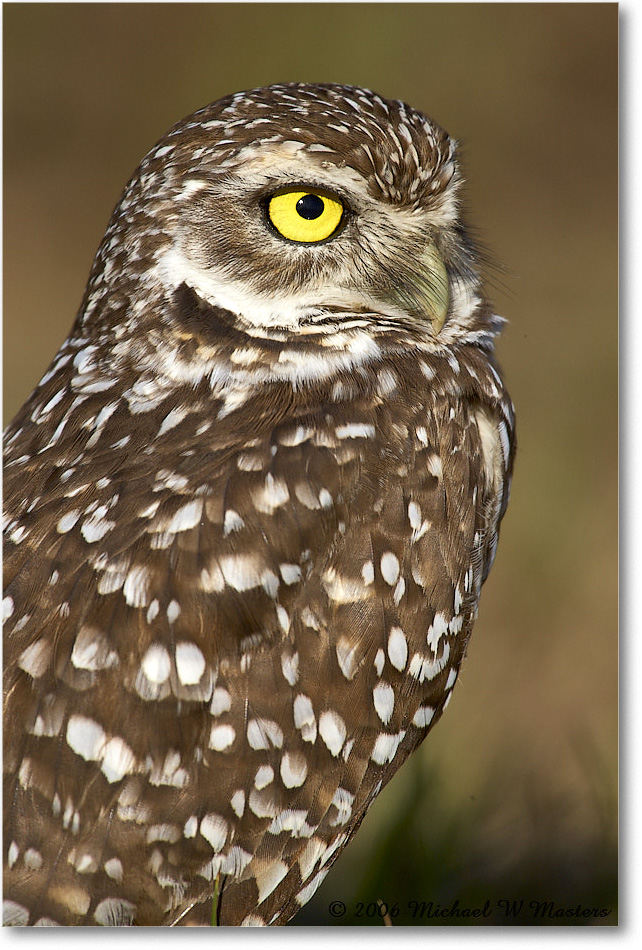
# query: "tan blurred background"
[[514, 794]]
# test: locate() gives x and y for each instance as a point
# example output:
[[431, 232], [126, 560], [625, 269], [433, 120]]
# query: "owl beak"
[[423, 290], [433, 287]]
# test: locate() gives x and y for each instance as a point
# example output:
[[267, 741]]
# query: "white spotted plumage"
[[250, 508]]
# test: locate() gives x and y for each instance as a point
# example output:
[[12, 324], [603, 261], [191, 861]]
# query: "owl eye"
[[305, 216]]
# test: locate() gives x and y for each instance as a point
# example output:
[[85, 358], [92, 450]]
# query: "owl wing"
[[221, 649]]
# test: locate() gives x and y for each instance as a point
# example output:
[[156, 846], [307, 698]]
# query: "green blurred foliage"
[[514, 795]]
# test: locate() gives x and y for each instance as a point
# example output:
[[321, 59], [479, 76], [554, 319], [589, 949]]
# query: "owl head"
[[291, 209]]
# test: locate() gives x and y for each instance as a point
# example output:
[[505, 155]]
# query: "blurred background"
[[514, 795]]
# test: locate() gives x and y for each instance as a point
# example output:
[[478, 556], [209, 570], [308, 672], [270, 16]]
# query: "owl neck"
[[203, 347]]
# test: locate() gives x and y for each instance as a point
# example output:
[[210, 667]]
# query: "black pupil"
[[310, 207]]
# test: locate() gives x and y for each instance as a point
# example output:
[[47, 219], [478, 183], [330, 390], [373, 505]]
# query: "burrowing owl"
[[250, 509]]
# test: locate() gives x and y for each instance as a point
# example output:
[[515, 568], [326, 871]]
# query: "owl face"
[[305, 207], [293, 237]]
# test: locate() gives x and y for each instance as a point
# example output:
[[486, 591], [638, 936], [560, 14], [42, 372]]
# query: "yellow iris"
[[305, 216]]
